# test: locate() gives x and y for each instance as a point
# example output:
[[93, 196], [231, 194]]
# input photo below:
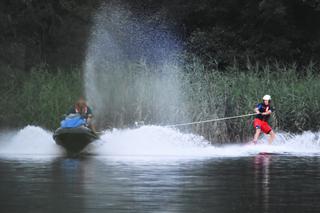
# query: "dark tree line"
[[283, 30], [52, 32], [55, 32]]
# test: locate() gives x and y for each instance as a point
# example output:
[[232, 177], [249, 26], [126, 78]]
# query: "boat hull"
[[74, 140]]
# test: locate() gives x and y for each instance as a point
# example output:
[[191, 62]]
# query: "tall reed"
[[214, 94], [41, 96]]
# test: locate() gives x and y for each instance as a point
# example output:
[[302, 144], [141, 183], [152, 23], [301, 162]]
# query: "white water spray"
[[31, 140], [131, 72], [162, 141], [154, 141]]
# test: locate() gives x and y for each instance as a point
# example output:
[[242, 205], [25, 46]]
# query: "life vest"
[[263, 108], [73, 122]]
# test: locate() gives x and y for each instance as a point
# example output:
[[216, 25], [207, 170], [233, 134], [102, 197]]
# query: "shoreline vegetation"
[[40, 97]]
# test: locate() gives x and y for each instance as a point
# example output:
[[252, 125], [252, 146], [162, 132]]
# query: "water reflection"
[[262, 183], [133, 186], [54, 186], [262, 164]]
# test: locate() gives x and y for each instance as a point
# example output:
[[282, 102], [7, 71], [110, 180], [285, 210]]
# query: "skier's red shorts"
[[263, 125]]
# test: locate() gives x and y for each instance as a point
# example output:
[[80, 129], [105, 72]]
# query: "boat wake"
[[163, 141], [30, 141], [155, 141]]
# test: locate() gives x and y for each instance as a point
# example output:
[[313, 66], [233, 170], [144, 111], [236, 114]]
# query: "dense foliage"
[[39, 98], [234, 51], [55, 32]]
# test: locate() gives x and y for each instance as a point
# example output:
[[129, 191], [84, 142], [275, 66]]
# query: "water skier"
[[260, 123]]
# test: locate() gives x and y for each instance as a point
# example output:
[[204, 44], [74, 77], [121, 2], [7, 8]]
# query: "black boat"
[[74, 140]]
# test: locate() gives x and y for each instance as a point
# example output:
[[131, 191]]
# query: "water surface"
[[157, 169], [262, 183]]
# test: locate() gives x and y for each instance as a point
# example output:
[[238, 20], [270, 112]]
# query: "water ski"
[[272, 153]]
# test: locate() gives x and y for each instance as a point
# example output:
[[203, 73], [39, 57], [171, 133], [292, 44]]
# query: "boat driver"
[[81, 108]]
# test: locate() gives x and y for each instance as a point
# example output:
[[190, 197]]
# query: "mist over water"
[[154, 141], [31, 140], [162, 141], [131, 69]]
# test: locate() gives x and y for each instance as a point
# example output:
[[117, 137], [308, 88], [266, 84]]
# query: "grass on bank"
[[41, 96], [235, 92]]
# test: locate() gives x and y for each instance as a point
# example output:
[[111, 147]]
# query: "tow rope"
[[211, 120]]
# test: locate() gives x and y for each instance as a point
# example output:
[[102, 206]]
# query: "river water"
[[125, 173]]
